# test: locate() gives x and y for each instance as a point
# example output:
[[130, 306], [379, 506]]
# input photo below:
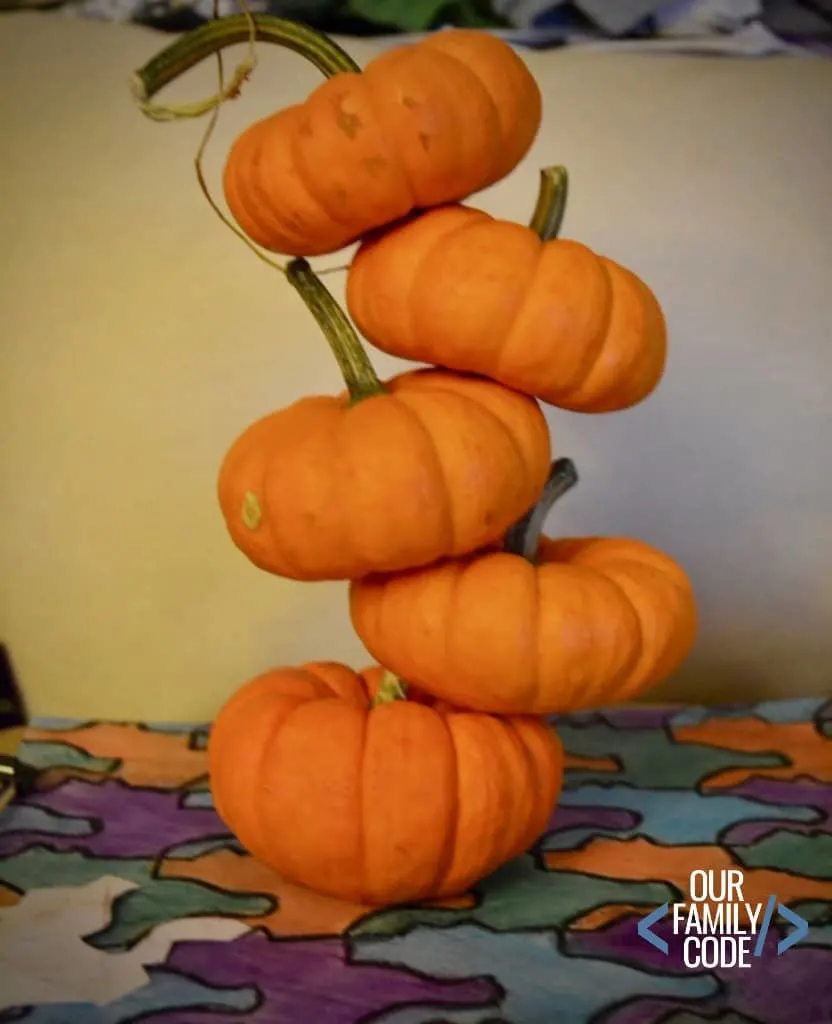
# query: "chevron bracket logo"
[[718, 927]]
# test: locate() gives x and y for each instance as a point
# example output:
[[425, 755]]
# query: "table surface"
[[124, 898]]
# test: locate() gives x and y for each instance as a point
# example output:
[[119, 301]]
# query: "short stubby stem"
[[355, 365], [390, 689], [524, 537], [550, 209]]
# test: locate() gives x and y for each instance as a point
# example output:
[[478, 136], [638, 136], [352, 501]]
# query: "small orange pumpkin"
[[424, 123], [383, 477], [460, 289], [377, 801], [587, 622]]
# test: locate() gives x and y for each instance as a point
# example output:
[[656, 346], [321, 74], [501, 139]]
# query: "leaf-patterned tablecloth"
[[123, 897]]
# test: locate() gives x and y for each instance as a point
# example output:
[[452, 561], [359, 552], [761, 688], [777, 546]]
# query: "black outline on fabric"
[[99, 780], [10, 888], [674, 741], [86, 724], [228, 841], [592, 717], [352, 936], [608, 1014], [664, 715], [727, 792], [784, 762], [115, 762], [189, 790], [795, 780], [721, 1015], [153, 864], [823, 717], [825, 817], [733, 856], [559, 936], [617, 762], [725, 1014], [587, 842], [348, 962], [717, 714], [223, 1008], [783, 759], [819, 834], [203, 732], [447, 1020], [97, 777], [663, 846], [564, 830], [97, 825], [787, 761], [84, 854], [415, 923], [727, 712], [125, 947], [632, 959], [826, 916], [592, 757], [777, 826], [374, 1016]]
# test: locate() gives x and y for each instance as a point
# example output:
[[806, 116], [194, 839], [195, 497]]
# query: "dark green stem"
[[355, 366], [193, 47], [551, 203], [524, 537]]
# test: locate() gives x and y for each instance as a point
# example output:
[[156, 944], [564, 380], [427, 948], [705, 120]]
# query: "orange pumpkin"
[[383, 477], [588, 622], [424, 123], [460, 289], [377, 803]]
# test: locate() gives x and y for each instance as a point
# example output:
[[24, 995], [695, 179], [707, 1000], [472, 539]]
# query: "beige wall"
[[139, 337]]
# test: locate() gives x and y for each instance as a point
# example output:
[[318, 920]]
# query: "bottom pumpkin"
[[344, 786]]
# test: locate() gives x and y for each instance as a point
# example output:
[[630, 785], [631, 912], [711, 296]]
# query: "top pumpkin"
[[424, 124]]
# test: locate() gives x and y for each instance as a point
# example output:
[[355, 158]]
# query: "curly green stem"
[[524, 537], [193, 47], [390, 689], [550, 209], [355, 366]]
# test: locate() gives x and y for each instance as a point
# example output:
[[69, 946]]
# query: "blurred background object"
[[13, 774], [751, 27]]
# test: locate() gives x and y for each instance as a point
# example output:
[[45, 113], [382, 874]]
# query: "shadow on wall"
[[708, 679]]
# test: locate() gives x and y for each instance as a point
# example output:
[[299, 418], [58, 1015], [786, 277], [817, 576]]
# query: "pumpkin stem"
[[390, 689], [195, 46], [524, 537], [551, 203], [356, 368]]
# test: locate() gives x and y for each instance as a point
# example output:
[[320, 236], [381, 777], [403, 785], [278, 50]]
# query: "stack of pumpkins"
[[427, 492]]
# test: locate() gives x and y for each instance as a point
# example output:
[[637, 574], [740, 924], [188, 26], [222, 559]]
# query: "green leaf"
[[422, 15]]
